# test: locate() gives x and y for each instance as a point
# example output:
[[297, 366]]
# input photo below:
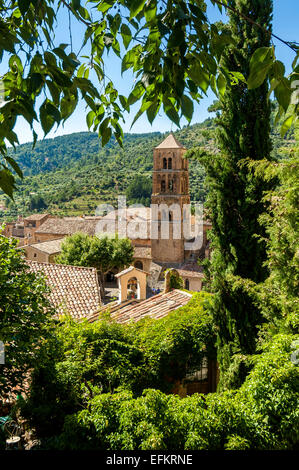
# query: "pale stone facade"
[[45, 252]]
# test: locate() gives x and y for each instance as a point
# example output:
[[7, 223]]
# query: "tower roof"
[[170, 143]]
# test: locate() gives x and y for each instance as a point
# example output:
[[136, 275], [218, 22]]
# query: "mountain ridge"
[[72, 174]]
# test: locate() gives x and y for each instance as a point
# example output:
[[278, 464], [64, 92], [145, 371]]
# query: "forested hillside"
[[72, 174]]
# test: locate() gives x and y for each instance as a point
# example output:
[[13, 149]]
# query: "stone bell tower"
[[170, 193]]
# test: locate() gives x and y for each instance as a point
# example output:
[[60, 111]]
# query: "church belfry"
[[170, 193]]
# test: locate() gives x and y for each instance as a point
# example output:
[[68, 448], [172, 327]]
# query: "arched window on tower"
[[170, 185], [164, 163], [163, 186], [170, 164]]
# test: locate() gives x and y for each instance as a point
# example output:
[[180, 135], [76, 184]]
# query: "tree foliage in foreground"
[[235, 199], [172, 49], [82, 360], [104, 253], [262, 415], [22, 317]]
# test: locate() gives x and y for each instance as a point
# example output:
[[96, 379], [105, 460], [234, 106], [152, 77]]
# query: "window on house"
[[200, 375]]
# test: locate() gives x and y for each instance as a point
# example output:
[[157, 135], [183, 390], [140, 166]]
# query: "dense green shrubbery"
[[83, 359], [22, 317], [93, 389], [262, 414]]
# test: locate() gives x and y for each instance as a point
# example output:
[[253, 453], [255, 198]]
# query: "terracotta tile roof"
[[74, 289], [36, 216], [170, 143], [143, 213], [156, 307], [128, 270], [191, 270], [142, 252], [125, 222], [68, 226], [51, 247]]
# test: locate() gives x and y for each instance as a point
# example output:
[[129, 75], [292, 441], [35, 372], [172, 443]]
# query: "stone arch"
[[133, 288], [138, 264]]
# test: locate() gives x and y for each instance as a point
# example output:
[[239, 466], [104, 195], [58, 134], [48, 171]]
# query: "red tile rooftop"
[[156, 307], [74, 289]]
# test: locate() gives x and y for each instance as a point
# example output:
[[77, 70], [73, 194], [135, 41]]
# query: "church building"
[[170, 189], [169, 217]]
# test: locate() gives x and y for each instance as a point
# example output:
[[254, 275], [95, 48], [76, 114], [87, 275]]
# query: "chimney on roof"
[[167, 287]]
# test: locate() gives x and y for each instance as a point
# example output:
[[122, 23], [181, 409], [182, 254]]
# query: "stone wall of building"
[[33, 254], [45, 237]]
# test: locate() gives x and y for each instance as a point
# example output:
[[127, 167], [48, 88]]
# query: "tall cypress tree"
[[235, 194]]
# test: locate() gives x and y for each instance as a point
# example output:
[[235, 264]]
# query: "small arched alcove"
[[132, 284], [138, 264], [133, 289]]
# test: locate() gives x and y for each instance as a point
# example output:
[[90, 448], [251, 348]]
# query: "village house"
[[155, 254], [15, 230], [55, 228], [31, 224], [44, 252]]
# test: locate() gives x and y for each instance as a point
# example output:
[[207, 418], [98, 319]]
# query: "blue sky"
[[285, 25]]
